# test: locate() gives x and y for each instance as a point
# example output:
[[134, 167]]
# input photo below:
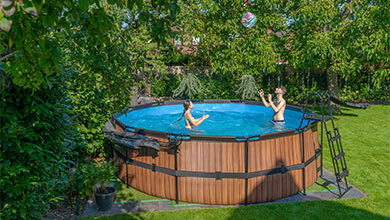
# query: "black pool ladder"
[[334, 138]]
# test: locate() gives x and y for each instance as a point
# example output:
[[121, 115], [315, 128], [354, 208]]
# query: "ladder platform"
[[317, 117]]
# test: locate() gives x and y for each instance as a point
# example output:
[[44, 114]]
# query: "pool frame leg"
[[303, 161], [176, 181], [246, 171], [127, 169]]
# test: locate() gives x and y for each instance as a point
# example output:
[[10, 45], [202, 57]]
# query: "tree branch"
[[8, 55]]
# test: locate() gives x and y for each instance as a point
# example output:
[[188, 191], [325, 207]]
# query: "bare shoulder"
[[187, 115], [283, 102]]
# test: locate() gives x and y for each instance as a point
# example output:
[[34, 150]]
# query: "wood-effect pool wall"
[[290, 159]]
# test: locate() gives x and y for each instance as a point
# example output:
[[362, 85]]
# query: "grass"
[[129, 194], [366, 141], [320, 185]]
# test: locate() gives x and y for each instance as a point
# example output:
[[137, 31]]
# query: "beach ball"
[[248, 20]]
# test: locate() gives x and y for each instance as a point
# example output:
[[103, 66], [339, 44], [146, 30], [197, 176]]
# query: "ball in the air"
[[248, 20]]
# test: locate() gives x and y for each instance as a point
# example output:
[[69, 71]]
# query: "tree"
[[225, 44], [39, 137], [329, 35]]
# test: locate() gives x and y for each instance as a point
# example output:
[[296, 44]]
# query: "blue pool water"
[[225, 119]]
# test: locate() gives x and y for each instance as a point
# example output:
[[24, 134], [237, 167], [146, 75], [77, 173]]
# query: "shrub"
[[38, 143], [247, 88], [189, 86]]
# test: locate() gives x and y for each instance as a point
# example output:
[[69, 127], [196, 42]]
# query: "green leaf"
[[143, 16], [140, 4], [84, 4], [174, 10], [5, 24]]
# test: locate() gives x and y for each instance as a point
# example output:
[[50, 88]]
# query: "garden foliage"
[[61, 64], [247, 88], [189, 87], [328, 42], [66, 66], [38, 145]]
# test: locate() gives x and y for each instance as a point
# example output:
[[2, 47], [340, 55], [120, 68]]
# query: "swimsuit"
[[276, 103], [278, 122], [188, 122]]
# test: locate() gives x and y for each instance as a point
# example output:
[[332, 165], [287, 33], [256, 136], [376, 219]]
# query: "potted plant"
[[104, 194]]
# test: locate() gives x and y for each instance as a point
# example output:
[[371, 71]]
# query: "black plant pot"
[[105, 201]]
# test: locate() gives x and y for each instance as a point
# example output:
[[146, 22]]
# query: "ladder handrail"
[[312, 110], [332, 146], [327, 94], [329, 108]]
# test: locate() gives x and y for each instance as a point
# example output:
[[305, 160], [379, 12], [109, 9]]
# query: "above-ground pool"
[[234, 157], [226, 119]]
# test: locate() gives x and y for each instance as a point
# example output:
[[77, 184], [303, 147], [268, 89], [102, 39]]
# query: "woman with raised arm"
[[278, 105]]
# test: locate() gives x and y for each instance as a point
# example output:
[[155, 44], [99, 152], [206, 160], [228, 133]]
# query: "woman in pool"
[[278, 105], [191, 122]]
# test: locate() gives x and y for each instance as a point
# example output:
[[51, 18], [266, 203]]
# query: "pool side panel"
[[226, 157], [221, 154]]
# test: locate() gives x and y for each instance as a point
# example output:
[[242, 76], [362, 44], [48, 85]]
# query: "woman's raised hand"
[[270, 97], [261, 93]]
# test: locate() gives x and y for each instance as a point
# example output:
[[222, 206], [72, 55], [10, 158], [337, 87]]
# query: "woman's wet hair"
[[284, 90], [186, 105]]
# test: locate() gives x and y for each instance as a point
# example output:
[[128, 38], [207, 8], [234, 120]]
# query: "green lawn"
[[366, 141], [128, 194]]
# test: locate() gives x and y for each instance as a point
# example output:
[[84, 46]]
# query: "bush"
[[364, 94], [80, 183], [163, 85], [190, 86], [296, 95], [247, 88], [84, 177], [38, 143], [105, 173]]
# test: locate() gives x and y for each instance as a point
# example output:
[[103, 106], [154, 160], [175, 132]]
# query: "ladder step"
[[343, 174], [335, 138], [339, 156]]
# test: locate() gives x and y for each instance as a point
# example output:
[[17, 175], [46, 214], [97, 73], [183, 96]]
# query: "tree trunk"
[[134, 95], [333, 89], [148, 88]]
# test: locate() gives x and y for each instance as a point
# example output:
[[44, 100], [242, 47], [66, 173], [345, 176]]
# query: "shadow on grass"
[[344, 112], [129, 194], [324, 184], [303, 210], [123, 193], [277, 186]]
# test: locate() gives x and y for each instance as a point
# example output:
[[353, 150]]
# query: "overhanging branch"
[[8, 55]]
